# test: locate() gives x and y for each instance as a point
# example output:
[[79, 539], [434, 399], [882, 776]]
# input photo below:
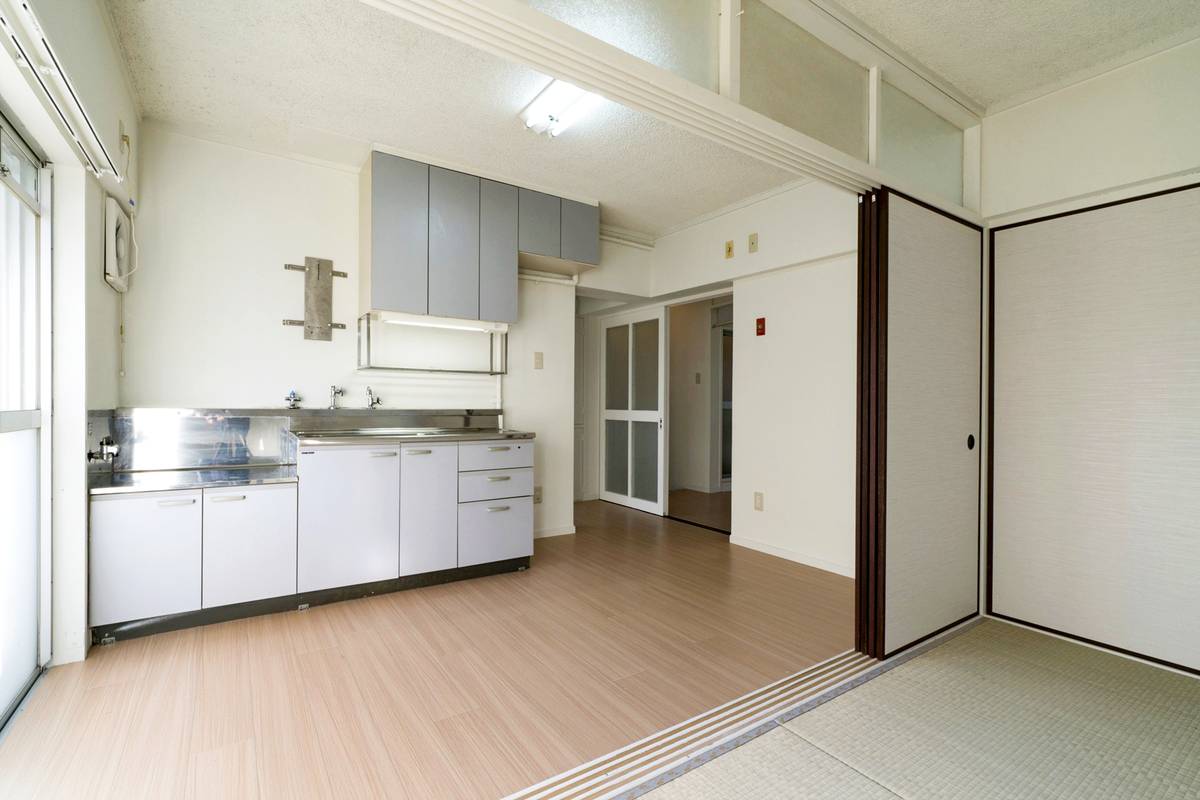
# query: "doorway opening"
[[700, 453]]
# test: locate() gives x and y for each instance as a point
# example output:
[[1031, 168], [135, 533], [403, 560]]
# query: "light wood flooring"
[[471, 689], [713, 509]]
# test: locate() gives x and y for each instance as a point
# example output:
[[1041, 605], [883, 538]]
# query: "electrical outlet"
[[753, 243], [539, 361], [729, 249], [537, 494], [758, 501]]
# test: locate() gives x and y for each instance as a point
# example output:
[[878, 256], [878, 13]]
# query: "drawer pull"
[[388, 454], [418, 452], [503, 449], [228, 498], [495, 509], [498, 478], [182, 501]]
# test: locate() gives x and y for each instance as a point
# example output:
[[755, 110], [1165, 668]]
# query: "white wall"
[[204, 313], [794, 413], [813, 220], [691, 402], [1138, 123], [541, 400]]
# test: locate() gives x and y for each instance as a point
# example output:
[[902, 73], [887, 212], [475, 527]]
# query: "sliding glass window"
[[21, 439]]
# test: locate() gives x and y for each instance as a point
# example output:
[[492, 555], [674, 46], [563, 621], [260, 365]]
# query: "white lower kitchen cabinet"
[[145, 555], [428, 508], [249, 543], [495, 530], [349, 515]]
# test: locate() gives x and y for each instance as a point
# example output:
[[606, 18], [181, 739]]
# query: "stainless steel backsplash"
[[182, 438]]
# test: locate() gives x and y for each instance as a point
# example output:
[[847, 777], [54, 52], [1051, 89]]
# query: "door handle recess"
[[228, 498], [495, 509], [499, 449], [498, 478], [182, 501], [389, 454], [418, 452]]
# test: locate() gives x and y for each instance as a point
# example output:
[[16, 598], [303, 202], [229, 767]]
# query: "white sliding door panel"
[[933, 351], [1096, 475]]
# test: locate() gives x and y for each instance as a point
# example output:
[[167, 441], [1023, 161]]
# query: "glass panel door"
[[22, 298], [634, 396]]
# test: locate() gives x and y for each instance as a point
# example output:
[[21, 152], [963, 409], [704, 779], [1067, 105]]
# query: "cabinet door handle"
[[494, 509], [498, 478], [181, 501], [228, 498], [388, 454], [418, 452], [504, 449]]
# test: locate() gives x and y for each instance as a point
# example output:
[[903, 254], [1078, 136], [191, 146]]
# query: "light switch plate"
[[697, 378], [753, 243], [537, 494], [729, 249], [758, 501], [539, 360]]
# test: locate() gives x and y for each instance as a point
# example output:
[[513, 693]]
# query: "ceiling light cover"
[[559, 106]]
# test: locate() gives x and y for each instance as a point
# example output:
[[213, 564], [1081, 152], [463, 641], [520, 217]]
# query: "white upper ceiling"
[[1001, 53], [327, 78]]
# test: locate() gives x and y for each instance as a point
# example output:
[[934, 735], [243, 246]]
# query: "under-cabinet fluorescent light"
[[484, 327], [558, 107]]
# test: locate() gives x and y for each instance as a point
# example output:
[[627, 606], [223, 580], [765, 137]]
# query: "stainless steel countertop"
[[177, 479], [402, 435]]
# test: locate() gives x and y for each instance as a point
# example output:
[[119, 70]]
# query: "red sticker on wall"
[[760, 326]]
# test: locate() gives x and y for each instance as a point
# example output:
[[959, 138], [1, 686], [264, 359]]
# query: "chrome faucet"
[[293, 399], [334, 393], [373, 400], [107, 452]]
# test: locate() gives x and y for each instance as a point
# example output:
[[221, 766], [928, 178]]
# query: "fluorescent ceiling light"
[[558, 107]]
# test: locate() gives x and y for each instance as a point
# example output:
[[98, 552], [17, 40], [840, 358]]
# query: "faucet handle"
[[292, 399]]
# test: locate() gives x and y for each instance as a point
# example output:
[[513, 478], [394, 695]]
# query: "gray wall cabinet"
[[497, 252], [540, 229], [397, 244], [454, 233], [580, 232], [439, 242]]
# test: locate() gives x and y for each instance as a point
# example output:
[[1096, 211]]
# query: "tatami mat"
[[996, 712], [775, 766]]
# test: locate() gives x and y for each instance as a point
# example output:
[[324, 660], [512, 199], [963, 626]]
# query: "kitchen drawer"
[[491, 484], [495, 530], [497, 454]]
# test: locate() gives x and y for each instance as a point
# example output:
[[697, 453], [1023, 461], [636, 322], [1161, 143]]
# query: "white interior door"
[[633, 385]]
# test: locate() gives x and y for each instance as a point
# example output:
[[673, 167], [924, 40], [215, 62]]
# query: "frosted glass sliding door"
[[634, 389]]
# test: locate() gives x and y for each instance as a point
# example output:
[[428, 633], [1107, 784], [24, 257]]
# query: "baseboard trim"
[[546, 533], [792, 555]]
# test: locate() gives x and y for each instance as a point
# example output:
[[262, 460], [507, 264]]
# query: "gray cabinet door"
[[540, 224], [580, 232], [399, 234], [497, 252], [453, 244]]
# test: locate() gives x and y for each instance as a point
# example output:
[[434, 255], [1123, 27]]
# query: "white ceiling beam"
[[854, 39], [515, 31]]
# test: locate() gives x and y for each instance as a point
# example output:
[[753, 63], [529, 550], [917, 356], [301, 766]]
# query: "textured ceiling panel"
[[327, 77], [995, 52]]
